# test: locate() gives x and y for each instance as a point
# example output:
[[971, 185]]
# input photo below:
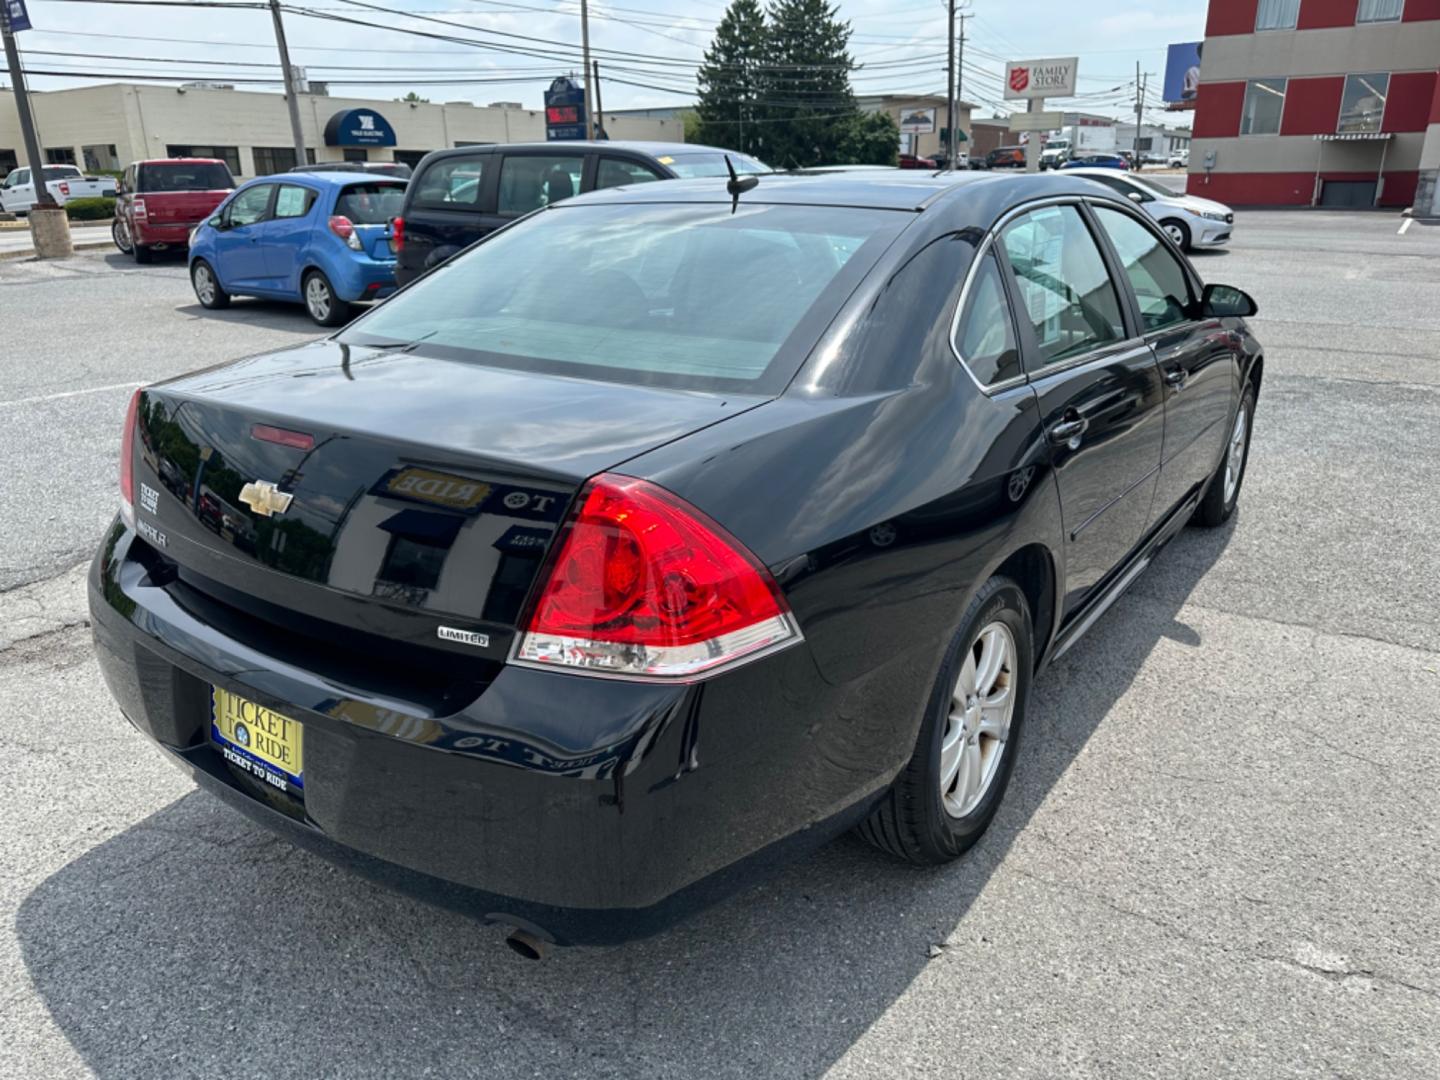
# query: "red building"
[[1319, 103]]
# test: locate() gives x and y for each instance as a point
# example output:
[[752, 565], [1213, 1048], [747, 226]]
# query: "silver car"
[[1192, 222]]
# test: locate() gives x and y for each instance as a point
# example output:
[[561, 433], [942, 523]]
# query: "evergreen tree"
[[870, 139], [732, 81], [808, 88]]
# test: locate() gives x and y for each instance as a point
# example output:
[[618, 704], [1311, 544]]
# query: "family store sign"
[[1027, 79]]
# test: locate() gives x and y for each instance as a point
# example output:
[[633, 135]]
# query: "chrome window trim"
[[1102, 353]]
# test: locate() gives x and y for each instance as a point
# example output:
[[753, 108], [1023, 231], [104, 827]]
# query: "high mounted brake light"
[[643, 584]]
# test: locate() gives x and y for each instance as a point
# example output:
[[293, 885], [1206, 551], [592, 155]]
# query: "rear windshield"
[[370, 204], [686, 296], [199, 176], [61, 174], [711, 163]]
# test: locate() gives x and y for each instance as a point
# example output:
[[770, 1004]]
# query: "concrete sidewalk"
[[16, 243]]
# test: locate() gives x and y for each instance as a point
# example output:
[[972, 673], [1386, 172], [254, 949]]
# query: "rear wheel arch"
[[1032, 567], [1256, 372]]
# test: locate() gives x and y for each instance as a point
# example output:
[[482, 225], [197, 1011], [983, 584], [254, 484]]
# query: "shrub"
[[94, 209]]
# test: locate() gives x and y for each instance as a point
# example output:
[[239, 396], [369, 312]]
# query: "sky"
[[648, 49]]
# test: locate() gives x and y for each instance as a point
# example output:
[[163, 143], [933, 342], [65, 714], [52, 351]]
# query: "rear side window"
[[1160, 282], [372, 203], [530, 181], [615, 172], [185, 176], [987, 329], [293, 201], [691, 296], [453, 183], [1065, 290]]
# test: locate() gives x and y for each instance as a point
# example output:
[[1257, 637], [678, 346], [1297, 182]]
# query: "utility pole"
[[292, 98], [585, 48], [959, 94], [599, 106], [27, 119], [950, 92], [1139, 113]]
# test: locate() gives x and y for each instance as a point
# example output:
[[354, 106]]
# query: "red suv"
[[160, 201]]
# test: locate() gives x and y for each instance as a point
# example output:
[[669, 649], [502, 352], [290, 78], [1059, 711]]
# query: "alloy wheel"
[[120, 233], [1235, 452], [204, 284], [317, 298], [978, 724]]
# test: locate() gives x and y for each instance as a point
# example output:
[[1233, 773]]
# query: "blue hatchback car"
[[320, 238]]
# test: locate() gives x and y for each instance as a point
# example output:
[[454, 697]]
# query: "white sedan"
[[1192, 222]]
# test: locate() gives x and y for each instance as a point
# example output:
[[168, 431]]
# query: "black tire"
[[1215, 508], [213, 298], [142, 254], [120, 233], [332, 311], [1175, 226], [911, 821]]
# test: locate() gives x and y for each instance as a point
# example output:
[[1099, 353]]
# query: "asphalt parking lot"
[[1220, 855]]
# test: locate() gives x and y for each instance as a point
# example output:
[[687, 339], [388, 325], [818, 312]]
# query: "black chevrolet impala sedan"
[[668, 532]]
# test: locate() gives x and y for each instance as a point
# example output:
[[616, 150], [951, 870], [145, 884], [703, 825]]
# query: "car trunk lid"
[[383, 491], [180, 207]]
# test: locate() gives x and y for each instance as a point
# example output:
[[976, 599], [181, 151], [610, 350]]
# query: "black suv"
[[457, 196]]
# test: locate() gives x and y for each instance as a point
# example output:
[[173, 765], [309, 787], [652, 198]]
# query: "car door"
[[1199, 358], [16, 194], [239, 256], [452, 205], [1097, 384], [532, 179], [283, 237]]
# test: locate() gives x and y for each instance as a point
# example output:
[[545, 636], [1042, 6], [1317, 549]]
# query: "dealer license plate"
[[258, 740]]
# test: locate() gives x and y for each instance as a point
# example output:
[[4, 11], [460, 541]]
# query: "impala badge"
[[265, 498]]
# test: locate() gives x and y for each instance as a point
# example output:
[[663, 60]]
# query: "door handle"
[[1176, 377], [1068, 429]]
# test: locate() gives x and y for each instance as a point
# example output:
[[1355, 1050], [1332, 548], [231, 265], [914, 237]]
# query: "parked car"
[[321, 239], [1098, 161], [397, 169], [1180, 159], [672, 531], [1189, 220], [1006, 157], [962, 160], [457, 196], [64, 182], [913, 161], [160, 201]]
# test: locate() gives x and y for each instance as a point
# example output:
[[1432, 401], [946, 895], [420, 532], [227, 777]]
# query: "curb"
[[83, 245]]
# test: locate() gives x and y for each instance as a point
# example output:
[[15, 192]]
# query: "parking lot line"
[[70, 394]]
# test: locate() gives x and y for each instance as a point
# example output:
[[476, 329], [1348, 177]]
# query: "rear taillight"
[[137, 207], [342, 227], [397, 235], [64, 189], [643, 584], [127, 461]]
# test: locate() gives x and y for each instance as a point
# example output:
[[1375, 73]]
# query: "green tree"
[[870, 139], [732, 82], [413, 96], [808, 87]]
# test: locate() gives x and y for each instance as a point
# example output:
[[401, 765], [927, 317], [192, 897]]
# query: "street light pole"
[[27, 119], [292, 98], [950, 95]]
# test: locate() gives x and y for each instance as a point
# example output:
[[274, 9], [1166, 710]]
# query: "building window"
[[1379, 11], [357, 155], [1277, 14], [1264, 102], [270, 160], [1362, 106], [100, 157], [60, 155], [228, 154]]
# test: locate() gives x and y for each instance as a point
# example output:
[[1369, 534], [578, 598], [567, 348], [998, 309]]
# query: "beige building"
[[108, 126], [919, 112]]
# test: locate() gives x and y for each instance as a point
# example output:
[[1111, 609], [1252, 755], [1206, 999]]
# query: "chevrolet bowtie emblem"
[[265, 498]]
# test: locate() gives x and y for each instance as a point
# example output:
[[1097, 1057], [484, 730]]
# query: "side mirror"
[[1226, 302], [1135, 196], [216, 222]]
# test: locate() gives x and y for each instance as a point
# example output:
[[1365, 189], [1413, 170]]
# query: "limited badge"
[[464, 637]]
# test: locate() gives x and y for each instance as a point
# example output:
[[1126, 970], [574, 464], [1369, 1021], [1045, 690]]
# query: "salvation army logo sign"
[[1040, 78], [1019, 78]]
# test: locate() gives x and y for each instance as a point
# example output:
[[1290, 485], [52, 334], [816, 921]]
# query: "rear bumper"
[[169, 234], [587, 810], [362, 278]]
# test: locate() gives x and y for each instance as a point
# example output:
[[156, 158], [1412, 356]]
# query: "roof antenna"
[[736, 185]]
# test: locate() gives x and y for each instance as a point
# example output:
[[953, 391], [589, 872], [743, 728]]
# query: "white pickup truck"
[[64, 182]]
